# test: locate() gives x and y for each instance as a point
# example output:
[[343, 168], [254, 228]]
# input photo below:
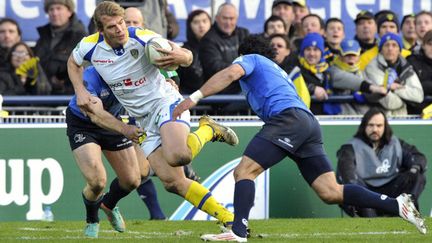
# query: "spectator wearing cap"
[[366, 30], [387, 22], [56, 41], [422, 63], [314, 71], [423, 23], [392, 71], [284, 9], [409, 35], [347, 79], [300, 11], [334, 34]]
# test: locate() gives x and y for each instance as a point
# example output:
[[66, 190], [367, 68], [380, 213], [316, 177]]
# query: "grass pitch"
[[274, 230]]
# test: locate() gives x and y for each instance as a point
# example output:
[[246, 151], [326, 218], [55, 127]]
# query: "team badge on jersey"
[[134, 53]]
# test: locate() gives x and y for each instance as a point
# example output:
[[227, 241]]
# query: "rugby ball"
[[152, 54]]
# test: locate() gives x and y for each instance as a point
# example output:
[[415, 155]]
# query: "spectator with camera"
[[380, 161]]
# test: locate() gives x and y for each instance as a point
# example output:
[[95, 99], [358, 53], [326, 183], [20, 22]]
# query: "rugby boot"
[[408, 211], [92, 230], [227, 236], [115, 218], [221, 133]]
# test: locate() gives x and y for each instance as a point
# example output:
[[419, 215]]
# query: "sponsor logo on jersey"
[[134, 53], [103, 61]]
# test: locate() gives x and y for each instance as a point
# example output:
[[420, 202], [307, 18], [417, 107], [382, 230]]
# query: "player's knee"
[[97, 185], [179, 158], [131, 183]]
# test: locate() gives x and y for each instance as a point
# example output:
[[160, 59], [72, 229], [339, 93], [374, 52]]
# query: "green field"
[[274, 230]]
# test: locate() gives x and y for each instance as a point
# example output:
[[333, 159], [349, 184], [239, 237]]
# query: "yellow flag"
[[301, 86]]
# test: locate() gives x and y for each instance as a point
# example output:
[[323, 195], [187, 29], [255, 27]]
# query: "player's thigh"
[[124, 163], [89, 161], [174, 137], [143, 163]]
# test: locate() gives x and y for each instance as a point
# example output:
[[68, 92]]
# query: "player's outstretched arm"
[[106, 120], [75, 72], [215, 84]]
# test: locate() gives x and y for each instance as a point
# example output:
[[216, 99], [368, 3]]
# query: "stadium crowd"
[[386, 64]]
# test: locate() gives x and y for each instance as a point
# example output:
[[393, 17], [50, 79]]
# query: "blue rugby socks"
[[148, 194], [114, 195], [92, 208], [244, 196], [359, 196]]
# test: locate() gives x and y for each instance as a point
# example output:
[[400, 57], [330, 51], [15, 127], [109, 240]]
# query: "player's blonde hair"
[[107, 8]]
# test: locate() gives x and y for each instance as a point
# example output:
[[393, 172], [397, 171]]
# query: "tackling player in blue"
[[290, 129]]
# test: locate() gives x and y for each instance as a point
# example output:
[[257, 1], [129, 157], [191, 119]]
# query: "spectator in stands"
[[349, 80], [378, 160], [409, 35], [284, 9], [219, 46], [133, 17], [158, 17], [56, 41], [314, 70], [387, 23], [10, 34], [24, 75], [311, 23], [392, 71], [366, 29], [334, 34], [285, 58], [300, 11], [423, 23], [198, 24], [422, 63], [274, 25]]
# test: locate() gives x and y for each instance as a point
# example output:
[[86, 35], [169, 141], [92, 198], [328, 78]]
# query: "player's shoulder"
[[90, 41], [143, 34]]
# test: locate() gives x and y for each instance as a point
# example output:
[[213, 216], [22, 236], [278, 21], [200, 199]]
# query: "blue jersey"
[[267, 87], [97, 87]]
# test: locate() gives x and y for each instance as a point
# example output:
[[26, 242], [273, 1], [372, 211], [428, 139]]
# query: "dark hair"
[[427, 37], [189, 33], [321, 21], [331, 20], [257, 44], [284, 37], [423, 12], [274, 18], [361, 132], [12, 21]]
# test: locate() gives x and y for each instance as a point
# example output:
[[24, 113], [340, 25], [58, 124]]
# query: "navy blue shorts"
[[294, 133], [81, 132]]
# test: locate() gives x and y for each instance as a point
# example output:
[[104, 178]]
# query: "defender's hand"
[[133, 133], [183, 106]]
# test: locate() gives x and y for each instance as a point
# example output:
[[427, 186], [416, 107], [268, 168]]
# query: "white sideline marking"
[[147, 235]]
